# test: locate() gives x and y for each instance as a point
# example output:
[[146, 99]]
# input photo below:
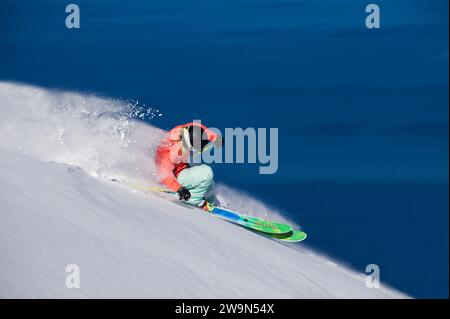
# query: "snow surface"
[[58, 152]]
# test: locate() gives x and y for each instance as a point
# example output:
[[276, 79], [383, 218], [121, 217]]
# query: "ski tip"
[[294, 236]]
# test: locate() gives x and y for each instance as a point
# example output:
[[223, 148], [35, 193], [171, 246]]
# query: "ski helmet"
[[194, 137]]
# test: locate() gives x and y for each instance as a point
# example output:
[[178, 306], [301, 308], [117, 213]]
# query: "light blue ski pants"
[[199, 181]]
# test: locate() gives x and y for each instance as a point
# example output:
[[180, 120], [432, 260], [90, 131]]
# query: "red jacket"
[[170, 160]]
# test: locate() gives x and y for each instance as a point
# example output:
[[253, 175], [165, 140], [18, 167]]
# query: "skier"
[[175, 169]]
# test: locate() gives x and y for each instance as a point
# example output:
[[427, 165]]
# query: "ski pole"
[[207, 147], [151, 188]]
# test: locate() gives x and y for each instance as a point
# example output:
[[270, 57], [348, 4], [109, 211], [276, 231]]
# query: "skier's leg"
[[210, 195], [198, 180]]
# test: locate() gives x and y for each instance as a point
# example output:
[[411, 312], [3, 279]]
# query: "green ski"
[[293, 236], [258, 224]]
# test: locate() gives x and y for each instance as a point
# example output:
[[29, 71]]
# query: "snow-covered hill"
[[57, 209]]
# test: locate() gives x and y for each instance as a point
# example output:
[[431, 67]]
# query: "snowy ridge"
[[55, 210]]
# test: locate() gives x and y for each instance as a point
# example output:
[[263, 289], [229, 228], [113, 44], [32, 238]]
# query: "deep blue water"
[[362, 114]]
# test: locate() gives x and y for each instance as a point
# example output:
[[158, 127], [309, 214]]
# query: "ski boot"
[[206, 206]]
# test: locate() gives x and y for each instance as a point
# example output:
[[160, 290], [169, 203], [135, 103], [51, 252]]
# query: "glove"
[[183, 193]]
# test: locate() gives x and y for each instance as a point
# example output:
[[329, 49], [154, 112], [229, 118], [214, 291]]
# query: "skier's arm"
[[165, 173], [171, 183]]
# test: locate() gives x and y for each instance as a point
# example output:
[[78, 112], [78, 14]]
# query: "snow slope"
[[56, 210]]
